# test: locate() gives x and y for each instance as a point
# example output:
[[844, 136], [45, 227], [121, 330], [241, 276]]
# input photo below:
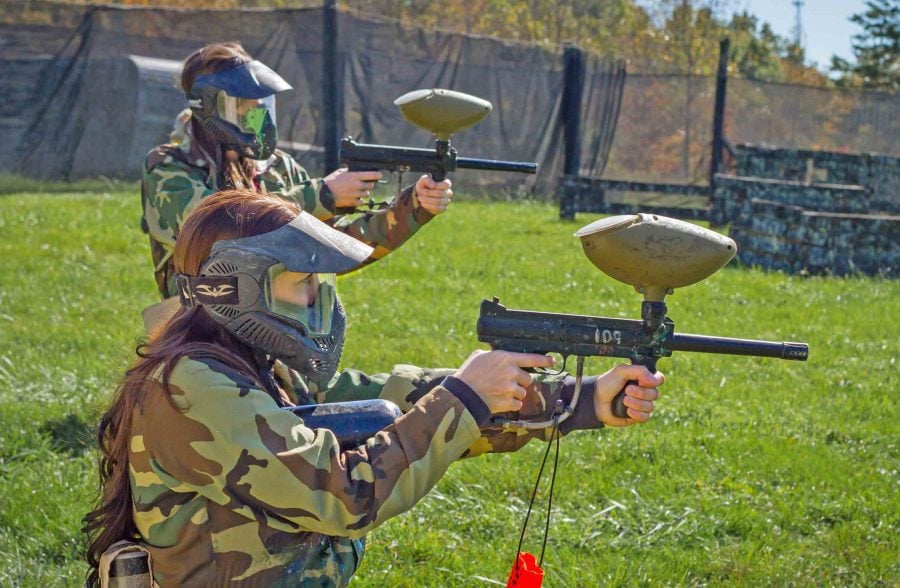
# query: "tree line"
[[654, 36]]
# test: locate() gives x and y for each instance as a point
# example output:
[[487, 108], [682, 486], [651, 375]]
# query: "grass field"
[[753, 472]]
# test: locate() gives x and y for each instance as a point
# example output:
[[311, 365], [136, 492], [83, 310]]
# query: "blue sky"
[[827, 29]]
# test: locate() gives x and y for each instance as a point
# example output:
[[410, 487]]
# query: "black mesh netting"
[[664, 130], [86, 91], [803, 117]]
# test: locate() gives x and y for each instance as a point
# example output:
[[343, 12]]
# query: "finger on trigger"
[[532, 360], [516, 390], [369, 176]]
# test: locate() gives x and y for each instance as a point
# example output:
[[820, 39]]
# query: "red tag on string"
[[525, 573]]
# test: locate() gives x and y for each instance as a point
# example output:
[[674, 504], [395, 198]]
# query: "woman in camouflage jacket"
[[203, 467], [211, 153]]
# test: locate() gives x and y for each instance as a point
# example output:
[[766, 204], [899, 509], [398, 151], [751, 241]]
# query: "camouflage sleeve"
[[407, 384], [228, 441], [540, 401], [310, 193], [404, 386], [170, 189], [386, 230]]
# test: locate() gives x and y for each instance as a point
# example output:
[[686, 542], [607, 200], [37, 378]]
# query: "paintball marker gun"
[[655, 254], [443, 112]]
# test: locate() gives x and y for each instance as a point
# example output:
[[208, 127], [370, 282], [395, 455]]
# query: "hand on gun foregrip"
[[626, 395], [351, 189], [498, 377]]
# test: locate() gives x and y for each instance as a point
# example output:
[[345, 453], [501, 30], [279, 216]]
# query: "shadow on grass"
[[70, 434]]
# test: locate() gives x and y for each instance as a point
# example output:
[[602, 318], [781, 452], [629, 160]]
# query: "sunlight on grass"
[[752, 472]]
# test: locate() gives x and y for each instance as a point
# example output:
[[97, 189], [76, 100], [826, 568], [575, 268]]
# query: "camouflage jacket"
[[177, 176], [230, 489]]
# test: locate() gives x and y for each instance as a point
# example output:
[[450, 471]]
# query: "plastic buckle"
[[185, 294]]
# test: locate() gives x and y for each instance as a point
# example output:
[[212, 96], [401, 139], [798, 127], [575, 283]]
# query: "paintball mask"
[[276, 292], [237, 107]]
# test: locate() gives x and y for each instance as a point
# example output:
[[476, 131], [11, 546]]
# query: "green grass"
[[753, 471], [16, 184]]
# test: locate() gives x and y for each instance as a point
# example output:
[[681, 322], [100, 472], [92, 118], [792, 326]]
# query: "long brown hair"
[[190, 332], [237, 172]]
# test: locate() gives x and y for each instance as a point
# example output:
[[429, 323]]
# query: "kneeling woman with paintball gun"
[[205, 464]]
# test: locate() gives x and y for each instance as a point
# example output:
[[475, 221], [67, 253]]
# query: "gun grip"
[[618, 402]]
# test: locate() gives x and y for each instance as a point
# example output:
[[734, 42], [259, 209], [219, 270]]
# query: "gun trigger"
[[554, 372], [547, 371]]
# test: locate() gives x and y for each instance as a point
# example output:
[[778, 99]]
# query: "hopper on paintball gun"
[[655, 254], [442, 112]]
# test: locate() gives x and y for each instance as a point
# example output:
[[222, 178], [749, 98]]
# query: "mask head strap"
[[194, 291]]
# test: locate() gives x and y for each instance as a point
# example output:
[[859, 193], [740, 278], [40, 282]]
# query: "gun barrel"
[[730, 346], [524, 167]]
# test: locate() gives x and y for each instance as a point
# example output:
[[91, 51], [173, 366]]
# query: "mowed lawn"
[[752, 472]]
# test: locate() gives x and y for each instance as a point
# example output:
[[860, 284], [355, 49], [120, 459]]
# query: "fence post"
[[718, 138], [332, 86], [573, 88]]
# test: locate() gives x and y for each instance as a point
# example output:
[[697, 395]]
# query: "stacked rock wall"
[[879, 174], [794, 239], [805, 211]]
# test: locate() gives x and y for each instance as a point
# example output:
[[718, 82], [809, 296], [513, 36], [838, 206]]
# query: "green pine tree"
[[877, 48]]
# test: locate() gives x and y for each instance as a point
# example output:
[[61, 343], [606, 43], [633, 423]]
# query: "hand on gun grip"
[[498, 377], [641, 392], [351, 188], [433, 196]]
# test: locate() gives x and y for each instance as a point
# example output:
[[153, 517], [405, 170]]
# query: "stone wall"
[[790, 238], [586, 194], [879, 174], [883, 179], [819, 212], [733, 193]]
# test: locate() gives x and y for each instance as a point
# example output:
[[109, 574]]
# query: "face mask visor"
[[249, 115], [304, 298]]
